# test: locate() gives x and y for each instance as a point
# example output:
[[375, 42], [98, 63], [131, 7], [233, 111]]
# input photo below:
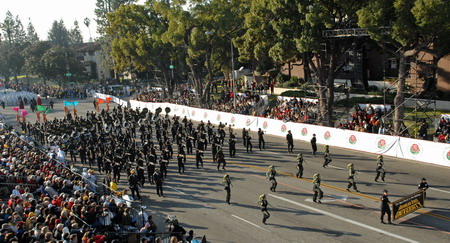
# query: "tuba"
[[65, 137], [75, 135]]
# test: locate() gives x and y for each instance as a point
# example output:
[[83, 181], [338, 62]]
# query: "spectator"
[[423, 130]]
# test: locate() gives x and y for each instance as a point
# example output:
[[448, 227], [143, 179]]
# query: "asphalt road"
[[197, 197]]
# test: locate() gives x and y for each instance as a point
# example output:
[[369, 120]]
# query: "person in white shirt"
[[61, 156], [16, 191]]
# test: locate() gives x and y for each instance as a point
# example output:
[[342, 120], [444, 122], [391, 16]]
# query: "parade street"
[[197, 198]]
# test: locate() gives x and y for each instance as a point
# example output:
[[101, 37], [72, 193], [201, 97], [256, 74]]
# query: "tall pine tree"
[[75, 36], [58, 34], [32, 36]]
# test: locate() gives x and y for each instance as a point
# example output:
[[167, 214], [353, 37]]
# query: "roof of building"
[[86, 47]]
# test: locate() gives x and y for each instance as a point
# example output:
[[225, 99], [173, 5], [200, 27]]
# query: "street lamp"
[[232, 67]]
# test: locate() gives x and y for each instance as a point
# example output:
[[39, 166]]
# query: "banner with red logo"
[[414, 149]]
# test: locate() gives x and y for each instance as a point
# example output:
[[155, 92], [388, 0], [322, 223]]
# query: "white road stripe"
[[439, 190], [176, 190], [335, 167], [344, 219], [248, 222], [329, 198]]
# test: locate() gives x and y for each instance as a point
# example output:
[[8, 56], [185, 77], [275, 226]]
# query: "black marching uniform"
[[385, 209], [423, 186], [261, 142], [290, 142], [199, 158], [158, 178], [133, 184], [314, 144]]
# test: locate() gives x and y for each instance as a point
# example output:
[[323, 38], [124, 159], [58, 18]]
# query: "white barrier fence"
[[114, 99], [420, 150]]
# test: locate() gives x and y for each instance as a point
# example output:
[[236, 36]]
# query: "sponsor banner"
[[273, 127], [414, 149], [239, 121], [384, 144], [408, 204], [134, 104], [426, 151], [446, 155]]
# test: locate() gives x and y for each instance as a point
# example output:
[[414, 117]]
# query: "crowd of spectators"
[[443, 131], [52, 203], [60, 93], [369, 119], [245, 102], [52, 91], [293, 110]]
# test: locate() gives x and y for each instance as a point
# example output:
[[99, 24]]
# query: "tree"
[[75, 36], [261, 38], [58, 34], [15, 35], [204, 31], [325, 56], [87, 22], [57, 61], [32, 36], [5, 60], [33, 55], [287, 30], [413, 26], [137, 44], [8, 27], [103, 8], [50, 62], [20, 34]]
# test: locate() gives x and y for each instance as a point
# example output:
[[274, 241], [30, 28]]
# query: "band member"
[[270, 174], [226, 181]]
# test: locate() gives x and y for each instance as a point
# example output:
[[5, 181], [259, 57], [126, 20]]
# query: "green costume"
[[270, 174], [380, 170], [351, 177], [316, 188], [300, 161]]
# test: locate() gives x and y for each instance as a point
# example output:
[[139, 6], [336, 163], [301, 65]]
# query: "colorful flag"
[[41, 108]]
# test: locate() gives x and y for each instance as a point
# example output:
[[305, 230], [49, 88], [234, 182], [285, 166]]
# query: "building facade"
[[90, 55]]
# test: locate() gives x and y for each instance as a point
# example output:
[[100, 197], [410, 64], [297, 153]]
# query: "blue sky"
[[43, 12]]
